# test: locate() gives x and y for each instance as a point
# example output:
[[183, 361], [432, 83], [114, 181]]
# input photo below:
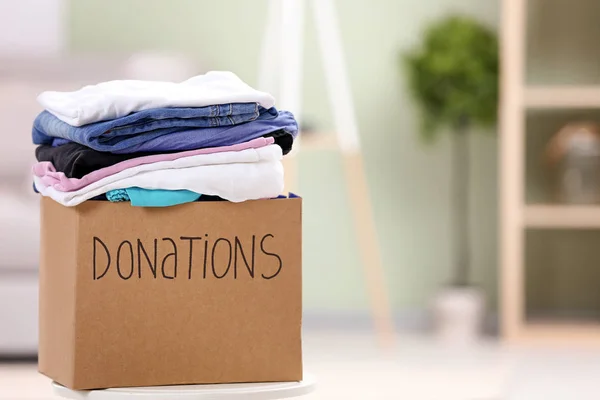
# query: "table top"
[[237, 391]]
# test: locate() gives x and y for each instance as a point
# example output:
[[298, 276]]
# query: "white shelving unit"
[[562, 97], [562, 217], [515, 215]]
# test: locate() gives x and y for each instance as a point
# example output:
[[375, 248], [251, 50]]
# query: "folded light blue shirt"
[[152, 197]]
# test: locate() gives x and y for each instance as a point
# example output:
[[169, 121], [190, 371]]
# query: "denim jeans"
[[149, 123], [183, 139]]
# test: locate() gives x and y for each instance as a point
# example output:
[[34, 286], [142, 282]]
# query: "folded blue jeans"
[[152, 122], [182, 139]]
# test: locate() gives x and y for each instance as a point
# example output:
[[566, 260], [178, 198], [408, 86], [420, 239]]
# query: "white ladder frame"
[[280, 73]]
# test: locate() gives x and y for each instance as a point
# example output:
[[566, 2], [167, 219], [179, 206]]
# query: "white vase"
[[458, 314]]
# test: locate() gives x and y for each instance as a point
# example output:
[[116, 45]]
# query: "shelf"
[[571, 334], [517, 100], [562, 96], [561, 216]]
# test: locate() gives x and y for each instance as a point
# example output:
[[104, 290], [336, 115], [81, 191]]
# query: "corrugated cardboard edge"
[[295, 198], [57, 295]]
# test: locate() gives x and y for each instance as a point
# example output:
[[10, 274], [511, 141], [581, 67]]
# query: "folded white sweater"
[[116, 99]]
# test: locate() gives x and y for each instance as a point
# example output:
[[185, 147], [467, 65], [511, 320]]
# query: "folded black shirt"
[[76, 160]]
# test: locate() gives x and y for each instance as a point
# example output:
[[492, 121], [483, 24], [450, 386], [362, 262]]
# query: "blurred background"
[[487, 237]]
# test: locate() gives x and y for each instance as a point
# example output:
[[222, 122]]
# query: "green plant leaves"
[[453, 76]]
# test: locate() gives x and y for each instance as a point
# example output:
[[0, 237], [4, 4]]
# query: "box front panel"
[[205, 292]]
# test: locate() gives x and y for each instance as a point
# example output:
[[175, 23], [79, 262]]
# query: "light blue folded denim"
[[191, 139], [152, 197], [151, 123]]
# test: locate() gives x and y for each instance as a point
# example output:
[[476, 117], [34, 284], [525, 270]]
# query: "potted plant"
[[453, 79]]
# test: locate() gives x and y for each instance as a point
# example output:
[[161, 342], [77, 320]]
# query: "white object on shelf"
[[238, 391]]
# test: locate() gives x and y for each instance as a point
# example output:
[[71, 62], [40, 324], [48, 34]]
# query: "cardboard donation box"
[[204, 292]]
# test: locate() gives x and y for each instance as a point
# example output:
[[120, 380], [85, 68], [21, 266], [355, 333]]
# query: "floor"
[[351, 366]]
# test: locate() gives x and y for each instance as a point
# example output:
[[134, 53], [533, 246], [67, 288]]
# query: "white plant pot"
[[458, 314]]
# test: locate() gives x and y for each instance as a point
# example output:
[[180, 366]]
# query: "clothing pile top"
[[161, 143]]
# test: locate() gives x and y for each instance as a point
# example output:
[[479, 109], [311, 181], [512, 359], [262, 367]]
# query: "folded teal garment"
[[152, 197], [117, 195]]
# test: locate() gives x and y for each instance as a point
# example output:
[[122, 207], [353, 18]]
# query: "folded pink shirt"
[[59, 181]]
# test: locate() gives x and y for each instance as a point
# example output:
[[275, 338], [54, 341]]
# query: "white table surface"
[[238, 391]]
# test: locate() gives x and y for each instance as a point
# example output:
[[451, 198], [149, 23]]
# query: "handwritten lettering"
[[252, 257], [212, 258], [238, 246], [191, 239], [125, 277], [141, 249], [98, 240], [262, 248], [172, 254]]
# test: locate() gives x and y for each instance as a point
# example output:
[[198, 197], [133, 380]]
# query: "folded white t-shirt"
[[114, 99], [234, 182]]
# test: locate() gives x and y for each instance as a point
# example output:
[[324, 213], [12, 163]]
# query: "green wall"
[[409, 183]]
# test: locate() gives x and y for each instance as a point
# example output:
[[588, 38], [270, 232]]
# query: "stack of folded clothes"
[[161, 143]]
